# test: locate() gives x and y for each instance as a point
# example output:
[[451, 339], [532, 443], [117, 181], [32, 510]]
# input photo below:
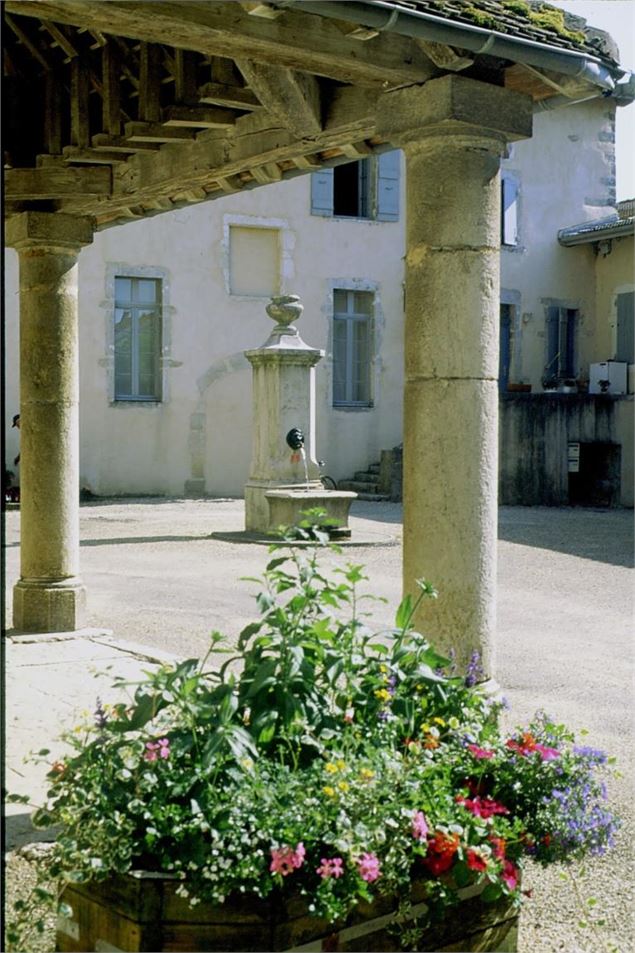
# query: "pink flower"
[[369, 867], [510, 874], [547, 754], [284, 860], [477, 752], [419, 826], [330, 867], [150, 754], [481, 806], [528, 744], [157, 749]]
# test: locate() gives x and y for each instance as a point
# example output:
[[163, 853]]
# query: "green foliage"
[[322, 757]]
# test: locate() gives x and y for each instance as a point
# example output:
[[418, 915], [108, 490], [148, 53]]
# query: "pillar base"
[[49, 606]]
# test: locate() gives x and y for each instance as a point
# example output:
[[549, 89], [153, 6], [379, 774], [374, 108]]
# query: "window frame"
[[135, 305], [379, 188], [350, 318], [561, 333], [510, 210]]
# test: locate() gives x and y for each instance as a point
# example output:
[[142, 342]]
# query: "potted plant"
[[327, 787]]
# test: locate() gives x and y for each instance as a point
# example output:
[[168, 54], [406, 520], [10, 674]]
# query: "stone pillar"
[[283, 369], [453, 131], [49, 596]]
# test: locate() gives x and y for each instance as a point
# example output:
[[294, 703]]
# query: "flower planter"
[[143, 912]]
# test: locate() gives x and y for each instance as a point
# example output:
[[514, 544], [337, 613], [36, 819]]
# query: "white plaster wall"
[[201, 431], [202, 428], [567, 176]]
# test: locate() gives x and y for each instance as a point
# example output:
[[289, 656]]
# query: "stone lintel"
[[454, 105], [48, 229]]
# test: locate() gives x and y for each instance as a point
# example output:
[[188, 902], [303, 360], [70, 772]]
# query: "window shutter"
[[388, 168], [625, 350], [322, 192], [509, 211], [552, 367], [568, 366]]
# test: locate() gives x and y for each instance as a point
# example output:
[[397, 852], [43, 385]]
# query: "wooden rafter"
[[298, 41], [292, 97]]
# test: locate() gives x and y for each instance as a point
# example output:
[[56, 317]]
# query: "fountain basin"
[[287, 507]]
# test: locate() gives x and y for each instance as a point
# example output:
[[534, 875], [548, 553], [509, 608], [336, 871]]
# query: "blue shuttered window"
[[388, 169], [505, 350], [625, 345], [366, 188]]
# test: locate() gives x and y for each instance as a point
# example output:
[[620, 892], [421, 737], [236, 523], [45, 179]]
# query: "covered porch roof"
[[119, 111]]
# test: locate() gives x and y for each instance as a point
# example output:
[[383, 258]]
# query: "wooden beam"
[[53, 114], [199, 117], [52, 182], [357, 150], [75, 156], [308, 163], [156, 132], [264, 10], [265, 174], [445, 57], [107, 143], [297, 40], [60, 38], [26, 41], [111, 96], [185, 90], [232, 97], [80, 116], [149, 85], [292, 97]]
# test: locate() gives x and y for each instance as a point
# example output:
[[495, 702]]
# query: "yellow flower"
[[454, 722], [382, 694], [343, 785], [366, 774], [383, 668], [330, 767], [425, 728], [340, 764], [440, 721], [329, 791]]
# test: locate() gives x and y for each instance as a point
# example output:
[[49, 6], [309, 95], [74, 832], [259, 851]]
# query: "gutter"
[[621, 228], [385, 17]]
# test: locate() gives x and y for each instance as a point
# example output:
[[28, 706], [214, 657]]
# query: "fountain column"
[[283, 482]]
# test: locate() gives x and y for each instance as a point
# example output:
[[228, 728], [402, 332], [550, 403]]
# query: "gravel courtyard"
[[156, 576]]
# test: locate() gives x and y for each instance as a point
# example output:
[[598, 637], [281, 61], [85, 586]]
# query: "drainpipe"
[[384, 17]]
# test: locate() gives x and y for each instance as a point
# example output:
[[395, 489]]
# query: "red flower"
[[481, 806], [441, 850], [475, 860], [529, 745]]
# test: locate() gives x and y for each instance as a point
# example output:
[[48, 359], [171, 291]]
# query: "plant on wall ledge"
[[322, 760]]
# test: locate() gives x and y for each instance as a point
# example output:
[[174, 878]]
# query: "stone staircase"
[[367, 484]]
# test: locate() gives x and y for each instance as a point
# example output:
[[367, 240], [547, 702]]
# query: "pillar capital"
[[48, 230], [454, 106]]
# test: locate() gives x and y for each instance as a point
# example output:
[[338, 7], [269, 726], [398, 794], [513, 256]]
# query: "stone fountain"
[[284, 478]]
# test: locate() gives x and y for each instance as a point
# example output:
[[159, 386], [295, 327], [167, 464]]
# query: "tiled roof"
[[533, 20], [613, 226]]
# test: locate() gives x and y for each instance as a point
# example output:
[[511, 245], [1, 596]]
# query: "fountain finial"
[[283, 309]]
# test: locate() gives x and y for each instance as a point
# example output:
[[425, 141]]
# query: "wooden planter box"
[[142, 912]]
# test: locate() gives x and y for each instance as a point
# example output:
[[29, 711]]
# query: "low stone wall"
[[535, 433]]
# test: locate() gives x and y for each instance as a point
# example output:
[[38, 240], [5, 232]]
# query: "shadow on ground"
[[607, 537]]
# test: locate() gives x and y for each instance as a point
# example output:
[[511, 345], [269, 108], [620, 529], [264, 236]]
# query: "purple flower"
[[474, 670], [101, 718], [593, 755]]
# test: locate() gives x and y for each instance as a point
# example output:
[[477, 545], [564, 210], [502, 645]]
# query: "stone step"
[[373, 497], [365, 476], [357, 486]]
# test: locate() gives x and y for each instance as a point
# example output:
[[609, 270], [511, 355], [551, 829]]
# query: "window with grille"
[[352, 348], [138, 338]]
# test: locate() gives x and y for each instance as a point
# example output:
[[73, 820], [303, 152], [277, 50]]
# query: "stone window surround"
[[121, 270], [287, 247], [377, 324]]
